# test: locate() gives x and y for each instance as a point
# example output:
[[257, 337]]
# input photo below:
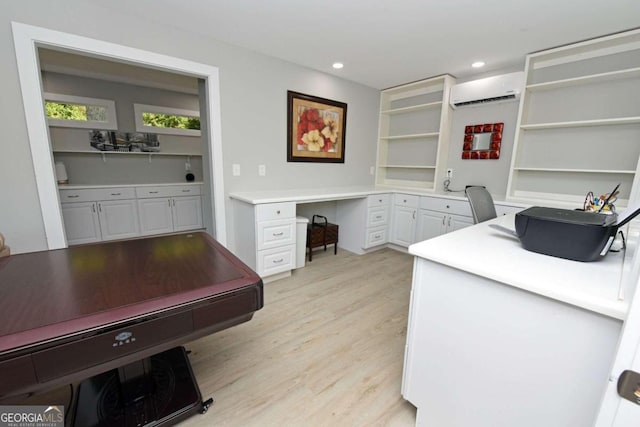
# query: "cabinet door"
[[81, 222], [155, 216], [404, 226], [187, 213], [456, 222], [118, 219], [430, 224]]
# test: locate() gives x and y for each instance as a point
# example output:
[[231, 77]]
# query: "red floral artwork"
[[316, 129]]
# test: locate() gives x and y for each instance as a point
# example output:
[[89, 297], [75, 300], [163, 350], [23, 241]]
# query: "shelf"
[[561, 170], [412, 108], [414, 136], [143, 153], [594, 78], [583, 123], [407, 166]]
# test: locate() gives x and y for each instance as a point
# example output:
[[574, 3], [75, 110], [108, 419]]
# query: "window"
[[80, 112], [172, 121]]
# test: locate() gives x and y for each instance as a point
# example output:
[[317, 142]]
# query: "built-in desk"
[[370, 218], [501, 336]]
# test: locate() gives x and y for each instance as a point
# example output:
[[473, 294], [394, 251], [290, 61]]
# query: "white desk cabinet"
[[377, 220], [118, 219], [500, 336], [179, 208], [266, 236], [93, 215], [439, 216], [81, 222], [403, 226]]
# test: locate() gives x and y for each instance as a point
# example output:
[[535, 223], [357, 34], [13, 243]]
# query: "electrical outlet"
[[236, 169], [449, 173], [371, 170], [262, 170]]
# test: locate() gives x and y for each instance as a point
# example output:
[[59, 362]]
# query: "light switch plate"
[[236, 169], [262, 170]]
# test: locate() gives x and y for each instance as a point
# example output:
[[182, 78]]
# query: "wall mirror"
[[482, 141]]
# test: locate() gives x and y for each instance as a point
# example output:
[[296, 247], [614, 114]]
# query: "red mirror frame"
[[494, 148]]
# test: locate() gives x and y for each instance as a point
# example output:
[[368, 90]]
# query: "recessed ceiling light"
[[338, 65], [477, 64]]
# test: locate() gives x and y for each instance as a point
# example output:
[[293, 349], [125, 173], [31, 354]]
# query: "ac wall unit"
[[506, 87]]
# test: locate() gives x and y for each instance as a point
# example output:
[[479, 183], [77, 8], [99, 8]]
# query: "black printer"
[[570, 234]]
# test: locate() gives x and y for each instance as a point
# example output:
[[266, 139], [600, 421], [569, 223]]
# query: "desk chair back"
[[481, 202]]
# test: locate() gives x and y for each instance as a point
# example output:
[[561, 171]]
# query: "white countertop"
[[93, 186], [489, 253], [308, 195]]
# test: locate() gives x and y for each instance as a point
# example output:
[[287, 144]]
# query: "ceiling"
[[384, 43]]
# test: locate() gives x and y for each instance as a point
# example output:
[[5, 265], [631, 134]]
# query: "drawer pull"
[[405, 200], [377, 236], [278, 212], [278, 261], [378, 216], [73, 197], [116, 194], [380, 200], [153, 192], [186, 191], [278, 234], [448, 206]]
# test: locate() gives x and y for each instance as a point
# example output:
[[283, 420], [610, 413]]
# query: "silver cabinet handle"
[[378, 216], [278, 234], [449, 222], [278, 261], [186, 191], [100, 207], [278, 212], [443, 219], [414, 215], [116, 194], [448, 206], [93, 208], [174, 202], [73, 196], [380, 200], [169, 200], [377, 236], [153, 192]]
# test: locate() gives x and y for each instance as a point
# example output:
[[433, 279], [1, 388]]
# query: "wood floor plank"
[[326, 350]]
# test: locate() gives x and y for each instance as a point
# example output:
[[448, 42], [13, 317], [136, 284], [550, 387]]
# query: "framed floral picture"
[[315, 129]]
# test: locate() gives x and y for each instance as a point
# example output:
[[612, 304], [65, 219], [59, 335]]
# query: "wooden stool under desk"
[[321, 234]]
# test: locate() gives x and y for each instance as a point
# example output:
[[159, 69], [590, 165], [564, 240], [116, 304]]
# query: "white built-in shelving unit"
[[578, 126], [414, 134]]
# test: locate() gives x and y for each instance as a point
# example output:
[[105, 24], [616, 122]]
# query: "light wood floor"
[[326, 350]]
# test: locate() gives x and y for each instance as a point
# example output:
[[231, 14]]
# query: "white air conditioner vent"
[[506, 87]]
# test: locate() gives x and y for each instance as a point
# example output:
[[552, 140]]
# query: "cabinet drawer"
[[82, 354], [458, 207], [167, 191], [378, 200], [506, 209], [96, 194], [272, 234], [375, 237], [406, 200], [277, 260], [377, 216], [271, 211]]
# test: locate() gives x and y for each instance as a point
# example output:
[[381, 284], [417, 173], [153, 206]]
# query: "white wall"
[[253, 97]]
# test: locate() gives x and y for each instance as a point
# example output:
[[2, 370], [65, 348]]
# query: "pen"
[[609, 198]]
